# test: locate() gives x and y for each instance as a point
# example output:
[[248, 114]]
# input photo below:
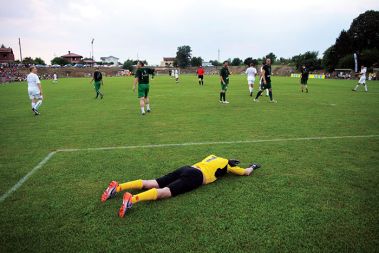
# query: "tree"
[[362, 35], [183, 56], [28, 60], [309, 59], [370, 57], [236, 62], [38, 60], [196, 61], [59, 60], [364, 31], [283, 60], [215, 63], [249, 60], [271, 56], [128, 64]]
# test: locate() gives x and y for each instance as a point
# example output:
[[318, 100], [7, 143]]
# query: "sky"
[[154, 29]]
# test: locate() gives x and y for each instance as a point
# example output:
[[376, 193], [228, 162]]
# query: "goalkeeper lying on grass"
[[182, 180]]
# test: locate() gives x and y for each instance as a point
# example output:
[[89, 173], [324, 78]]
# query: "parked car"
[[68, 65], [55, 66], [79, 65]]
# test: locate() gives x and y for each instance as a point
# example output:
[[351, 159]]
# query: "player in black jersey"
[[266, 79]]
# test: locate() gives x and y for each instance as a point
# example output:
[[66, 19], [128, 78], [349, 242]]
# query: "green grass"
[[311, 195]]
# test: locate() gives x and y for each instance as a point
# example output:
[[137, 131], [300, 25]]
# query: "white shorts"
[[34, 94], [250, 81], [362, 80], [176, 76]]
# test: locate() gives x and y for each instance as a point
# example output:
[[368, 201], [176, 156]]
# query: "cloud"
[[153, 29]]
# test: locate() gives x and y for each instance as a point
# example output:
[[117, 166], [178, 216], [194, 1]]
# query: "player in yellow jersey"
[[182, 180]]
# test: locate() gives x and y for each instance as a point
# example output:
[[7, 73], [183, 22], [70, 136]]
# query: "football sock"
[[270, 94], [220, 96], [136, 184], [250, 89], [199, 82], [365, 87], [148, 107], [143, 109], [151, 194], [356, 87], [224, 96], [258, 94], [33, 105], [267, 92], [202, 82], [97, 94], [38, 104]]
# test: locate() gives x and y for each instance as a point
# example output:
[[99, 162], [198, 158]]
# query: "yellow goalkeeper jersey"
[[213, 166]]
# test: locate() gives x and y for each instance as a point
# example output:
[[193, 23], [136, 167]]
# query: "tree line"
[[184, 59], [362, 38]]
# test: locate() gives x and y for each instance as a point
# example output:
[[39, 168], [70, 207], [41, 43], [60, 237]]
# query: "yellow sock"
[[151, 194], [136, 184]]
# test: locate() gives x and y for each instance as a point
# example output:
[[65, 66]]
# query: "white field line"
[[51, 154], [26, 177]]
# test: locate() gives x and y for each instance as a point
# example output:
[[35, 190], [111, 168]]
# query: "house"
[[207, 64], [88, 61], [110, 60], [72, 58], [168, 62], [6, 55]]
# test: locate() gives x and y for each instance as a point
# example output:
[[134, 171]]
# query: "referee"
[[304, 79]]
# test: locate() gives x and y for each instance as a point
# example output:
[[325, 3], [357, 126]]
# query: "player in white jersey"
[[55, 78], [173, 73], [251, 72], [34, 89], [176, 71], [362, 79], [261, 82]]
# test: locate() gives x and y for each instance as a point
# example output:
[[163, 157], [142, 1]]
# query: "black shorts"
[[181, 180], [265, 86], [200, 77], [303, 81]]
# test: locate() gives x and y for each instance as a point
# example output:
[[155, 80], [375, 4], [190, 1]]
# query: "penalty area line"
[[51, 154], [216, 143], [27, 176]]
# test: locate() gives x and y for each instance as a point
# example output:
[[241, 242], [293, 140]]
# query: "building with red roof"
[[72, 58], [6, 55]]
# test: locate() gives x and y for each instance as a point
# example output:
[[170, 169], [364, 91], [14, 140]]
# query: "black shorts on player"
[[182, 180], [266, 86], [200, 77]]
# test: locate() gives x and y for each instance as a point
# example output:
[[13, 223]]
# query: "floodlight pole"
[[92, 50], [19, 44]]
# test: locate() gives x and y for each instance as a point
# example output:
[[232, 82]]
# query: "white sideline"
[[51, 154]]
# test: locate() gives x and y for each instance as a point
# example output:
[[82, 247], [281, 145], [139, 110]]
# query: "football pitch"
[[317, 190]]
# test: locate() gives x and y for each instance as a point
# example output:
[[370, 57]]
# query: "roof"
[[103, 58], [71, 55], [169, 58], [6, 50], [89, 61]]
